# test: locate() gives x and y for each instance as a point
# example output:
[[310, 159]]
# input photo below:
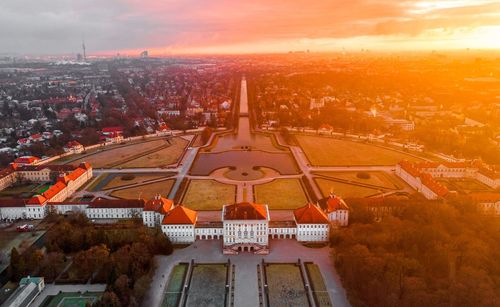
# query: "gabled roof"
[[180, 215], [54, 190], [72, 144], [335, 203], [26, 159], [245, 211], [36, 200], [159, 204], [310, 214]]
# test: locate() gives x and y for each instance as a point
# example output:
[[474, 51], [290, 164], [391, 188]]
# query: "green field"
[[208, 285], [71, 299], [208, 195], [320, 292], [174, 287], [145, 191], [324, 151], [281, 194], [344, 190], [160, 158], [113, 156], [379, 179], [285, 284]]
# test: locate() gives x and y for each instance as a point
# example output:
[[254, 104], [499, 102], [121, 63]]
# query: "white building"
[[312, 224], [246, 228], [337, 211], [178, 224]]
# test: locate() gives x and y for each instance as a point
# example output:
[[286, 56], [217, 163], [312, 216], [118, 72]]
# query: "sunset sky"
[[228, 26]]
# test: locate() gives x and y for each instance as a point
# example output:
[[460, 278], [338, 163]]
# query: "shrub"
[[128, 177], [363, 175]]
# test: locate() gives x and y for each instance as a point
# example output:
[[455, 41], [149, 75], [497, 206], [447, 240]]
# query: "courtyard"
[[246, 282]]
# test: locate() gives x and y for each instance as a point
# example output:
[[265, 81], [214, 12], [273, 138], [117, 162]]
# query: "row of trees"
[[424, 254], [121, 257]]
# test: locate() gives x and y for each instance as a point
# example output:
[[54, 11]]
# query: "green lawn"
[[281, 194], [174, 287], [160, 158], [324, 151], [344, 190], [208, 195], [146, 191], [320, 293], [285, 284], [379, 179], [208, 285]]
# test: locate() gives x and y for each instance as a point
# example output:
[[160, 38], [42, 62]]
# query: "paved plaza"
[[246, 284]]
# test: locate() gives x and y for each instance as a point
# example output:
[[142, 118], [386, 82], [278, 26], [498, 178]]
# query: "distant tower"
[[144, 54], [84, 53]]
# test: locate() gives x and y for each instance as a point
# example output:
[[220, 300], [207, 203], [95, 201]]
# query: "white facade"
[[246, 232], [313, 232], [112, 213], [339, 217], [181, 233], [12, 213]]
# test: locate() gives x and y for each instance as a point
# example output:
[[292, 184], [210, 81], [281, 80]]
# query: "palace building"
[[242, 226]]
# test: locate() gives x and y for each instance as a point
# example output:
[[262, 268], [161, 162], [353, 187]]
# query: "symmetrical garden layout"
[[213, 284]]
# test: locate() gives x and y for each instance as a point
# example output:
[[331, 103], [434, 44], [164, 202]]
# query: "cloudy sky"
[[233, 26]]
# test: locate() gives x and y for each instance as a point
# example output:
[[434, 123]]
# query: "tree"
[[108, 299], [15, 265]]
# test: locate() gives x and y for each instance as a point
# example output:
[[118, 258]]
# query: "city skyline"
[[222, 27]]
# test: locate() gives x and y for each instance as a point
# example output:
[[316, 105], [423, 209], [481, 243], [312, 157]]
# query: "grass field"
[[146, 191], [18, 190], [320, 293], [71, 299], [117, 155], [208, 284], [285, 284], [160, 158], [208, 195], [281, 194], [379, 179], [174, 287], [344, 190], [116, 181], [465, 185], [323, 151]]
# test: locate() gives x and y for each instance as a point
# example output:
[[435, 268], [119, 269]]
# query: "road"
[[185, 165]]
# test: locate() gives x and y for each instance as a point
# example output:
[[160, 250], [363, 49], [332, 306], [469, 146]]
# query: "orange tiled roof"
[[36, 200], [335, 203], [433, 185], [161, 205], [409, 168], [310, 214], [245, 211], [53, 190], [180, 215]]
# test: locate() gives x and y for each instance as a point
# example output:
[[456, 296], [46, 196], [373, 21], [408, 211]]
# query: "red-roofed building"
[[26, 160], [178, 224], [337, 210], [73, 147], [155, 210], [312, 224], [246, 227], [488, 202], [424, 182], [36, 137]]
